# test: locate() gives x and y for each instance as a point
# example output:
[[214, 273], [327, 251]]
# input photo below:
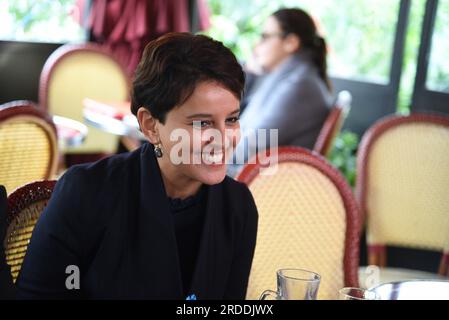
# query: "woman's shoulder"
[[105, 168], [305, 83], [239, 193], [85, 199], [230, 184], [239, 204], [304, 74], [87, 187], [103, 175]]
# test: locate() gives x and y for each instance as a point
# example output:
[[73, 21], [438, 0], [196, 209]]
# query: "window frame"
[[424, 99], [372, 101]]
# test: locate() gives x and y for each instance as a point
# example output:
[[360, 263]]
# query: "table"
[[414, 290], [71, 133], [112, 117]]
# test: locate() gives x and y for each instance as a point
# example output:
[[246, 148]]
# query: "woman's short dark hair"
[[174, 64]]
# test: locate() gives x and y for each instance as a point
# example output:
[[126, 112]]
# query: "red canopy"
[[126, 26]]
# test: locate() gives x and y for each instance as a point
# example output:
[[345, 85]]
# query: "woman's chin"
[[211, 174]]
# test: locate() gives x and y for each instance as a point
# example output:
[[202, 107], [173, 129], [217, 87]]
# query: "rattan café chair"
[[28, 145], [75, 72], [25, 206], [308, 219], [403, 190]]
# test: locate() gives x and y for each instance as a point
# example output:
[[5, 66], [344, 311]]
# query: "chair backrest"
[[75, 72], [25, 206], [28, 145], [403, 184], [333, 124], [308, 219]]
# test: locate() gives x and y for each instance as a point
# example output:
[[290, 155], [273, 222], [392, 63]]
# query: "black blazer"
[[111, 219]]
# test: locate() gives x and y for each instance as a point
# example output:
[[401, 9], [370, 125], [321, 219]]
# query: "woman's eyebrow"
[[207, 115], [200, 115]]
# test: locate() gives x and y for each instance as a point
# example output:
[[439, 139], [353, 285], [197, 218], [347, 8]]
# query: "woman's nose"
[[218, 136]]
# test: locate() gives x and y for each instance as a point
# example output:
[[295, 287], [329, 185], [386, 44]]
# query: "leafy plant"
[[30, 20], [343, 155]]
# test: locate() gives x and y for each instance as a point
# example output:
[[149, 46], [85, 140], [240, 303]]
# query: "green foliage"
[[438, 78], [411, 51], [343, 155], [238, 23], [238, 28], [27, 13], [43, 20]]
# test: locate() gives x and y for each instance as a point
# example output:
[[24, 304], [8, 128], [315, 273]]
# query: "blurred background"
[[391, 55]]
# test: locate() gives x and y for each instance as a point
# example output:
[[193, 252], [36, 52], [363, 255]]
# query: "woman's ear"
[[292, 43], [148, 125]]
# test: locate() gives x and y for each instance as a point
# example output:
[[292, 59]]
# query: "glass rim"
[[345, 291], [316, 278]]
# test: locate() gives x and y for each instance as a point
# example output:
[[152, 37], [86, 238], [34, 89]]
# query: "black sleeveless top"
[[188, 216]]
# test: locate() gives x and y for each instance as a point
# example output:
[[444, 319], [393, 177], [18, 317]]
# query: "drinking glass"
[[294, 284], [356, 294]]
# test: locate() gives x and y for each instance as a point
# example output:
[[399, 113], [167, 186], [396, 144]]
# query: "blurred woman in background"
[[287, 83]]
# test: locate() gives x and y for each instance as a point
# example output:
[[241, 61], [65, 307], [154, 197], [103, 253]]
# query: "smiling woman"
[[211, 106], [141, 225], [174, 90]]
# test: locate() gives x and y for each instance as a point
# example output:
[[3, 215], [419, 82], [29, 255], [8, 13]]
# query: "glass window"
[[40, 21], [438, 73], [360, 35]]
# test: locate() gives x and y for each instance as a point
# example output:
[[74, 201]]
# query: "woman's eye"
[[232, 120], [201, 124]]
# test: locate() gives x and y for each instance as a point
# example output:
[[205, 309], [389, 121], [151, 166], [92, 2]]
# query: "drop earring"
[[158, 151]]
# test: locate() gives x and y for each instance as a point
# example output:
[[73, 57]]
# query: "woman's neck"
[[178, 186]]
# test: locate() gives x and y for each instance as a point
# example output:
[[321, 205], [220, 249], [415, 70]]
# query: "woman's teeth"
[[213, 158]]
